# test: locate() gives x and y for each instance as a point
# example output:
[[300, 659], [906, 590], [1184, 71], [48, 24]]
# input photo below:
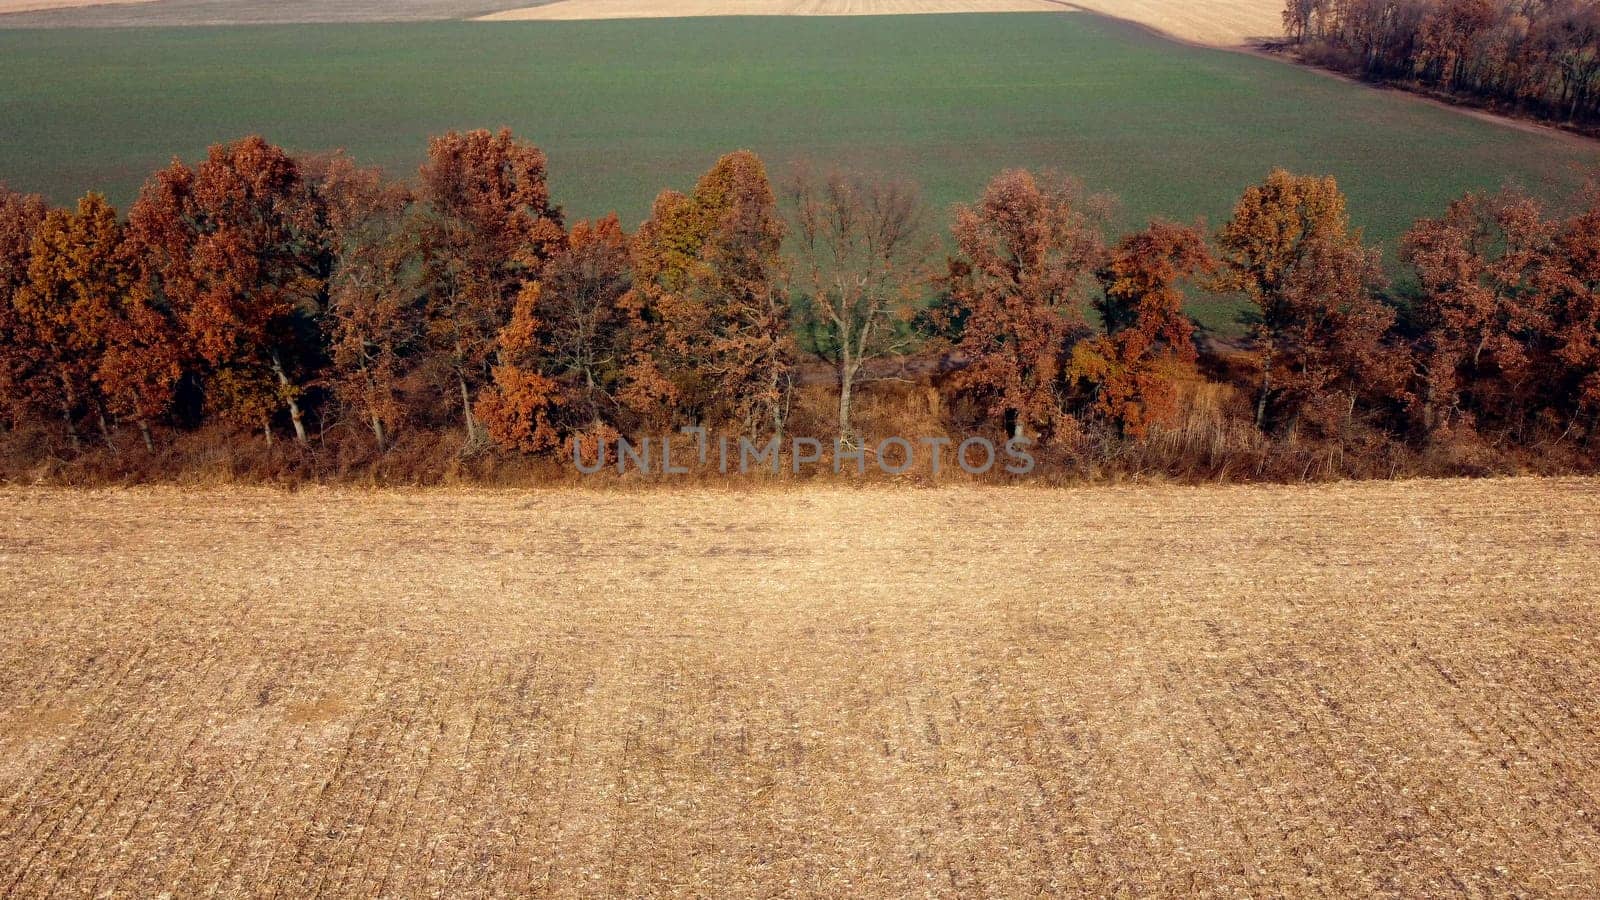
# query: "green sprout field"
[[625, 108]]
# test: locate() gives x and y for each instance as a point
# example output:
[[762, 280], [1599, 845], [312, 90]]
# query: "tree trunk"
[[144, 432], [67, 402], [847, 377], [1266, 388], [266, 428], [466, 408], [375, 421], [105, 431], [783, 388], [294, 405], [72, 433]]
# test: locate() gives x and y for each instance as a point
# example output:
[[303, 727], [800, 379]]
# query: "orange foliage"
[[372, 320], [561, 353], [1479, 308], [1028, 251], [1290, 250], [20, 216], [489, 225], [77, 279], [255, 285], [235, 246], [1575, 311], [711, 332], [1133, 369]]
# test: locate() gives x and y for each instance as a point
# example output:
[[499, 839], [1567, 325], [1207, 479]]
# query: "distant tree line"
[[1537, 57], [311, 308]]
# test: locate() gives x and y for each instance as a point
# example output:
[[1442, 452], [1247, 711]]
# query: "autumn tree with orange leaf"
[[1290, 251], [236, 247], [144, 358], [710, 323], [374, 313], [20, 217], [560, 358], [77, 276], [1028, 252], [487, 227], [1509, 317], [1133, 369], [1573, 288], [1480, 312], [1340, 356]]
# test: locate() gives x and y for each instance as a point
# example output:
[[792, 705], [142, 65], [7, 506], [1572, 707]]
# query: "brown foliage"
[[1538, 58], [373, 320], [1132, 371], [1480, 309], [76, 277], [255, 284], [584, 340], [487, 227], [561, 354], [20, 218], [235, 246], [1028, 249], [496, 186], [1319, 329], [1574, 287], [1510, 317], [711, 332]]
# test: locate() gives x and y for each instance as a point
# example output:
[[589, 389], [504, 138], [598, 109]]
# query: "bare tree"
[[862, 258]]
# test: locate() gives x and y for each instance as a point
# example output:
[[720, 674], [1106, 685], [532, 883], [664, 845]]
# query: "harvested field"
[[663, 9], [167, 13], [1222, 23], [12, 6], [1385, 688]]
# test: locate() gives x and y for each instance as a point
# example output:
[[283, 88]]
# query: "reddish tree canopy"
[[236, 248], [1133, 370], [1028, 250], [710, 323], [20, 217]]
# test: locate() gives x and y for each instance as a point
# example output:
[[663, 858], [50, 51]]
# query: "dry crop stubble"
[[1220, 23], [1382, 687]]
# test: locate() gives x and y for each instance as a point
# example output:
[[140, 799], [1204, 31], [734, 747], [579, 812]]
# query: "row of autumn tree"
[[258, 294], [1538, 57]]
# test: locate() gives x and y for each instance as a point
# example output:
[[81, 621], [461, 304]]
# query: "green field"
[[625, 108]]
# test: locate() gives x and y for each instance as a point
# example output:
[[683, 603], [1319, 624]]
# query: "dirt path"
[[1358, 689]]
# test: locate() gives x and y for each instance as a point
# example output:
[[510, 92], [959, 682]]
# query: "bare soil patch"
[[1383, 688]]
